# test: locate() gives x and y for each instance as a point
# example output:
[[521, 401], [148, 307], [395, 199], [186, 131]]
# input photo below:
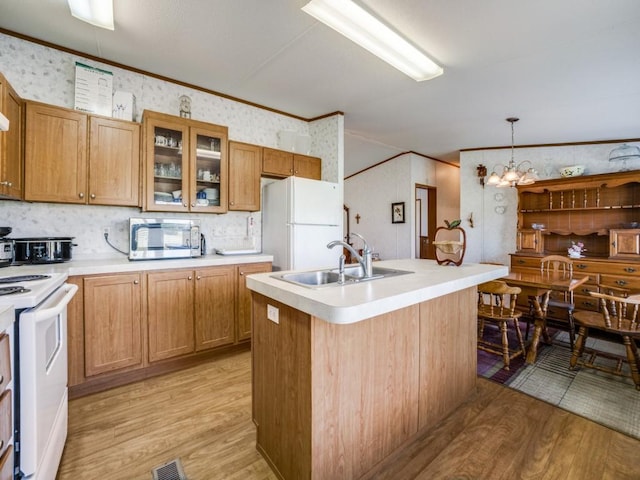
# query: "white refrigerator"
[[299, 217]]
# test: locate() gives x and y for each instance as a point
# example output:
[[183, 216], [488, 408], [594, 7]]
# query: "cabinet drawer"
[[6, 421], [626, 269], [5, 361], [585, 302], [525, 262], [627, 282]]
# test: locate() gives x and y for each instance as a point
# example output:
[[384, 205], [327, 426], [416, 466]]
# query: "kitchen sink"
[[326, 278]]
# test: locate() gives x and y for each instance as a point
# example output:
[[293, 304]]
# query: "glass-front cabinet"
[[186, 165]]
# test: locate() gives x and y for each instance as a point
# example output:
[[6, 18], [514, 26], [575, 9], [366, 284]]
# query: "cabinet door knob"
[[231, 203], [81, 195], [1, 380], [190, 277], [93, 195], [241, 273], [136, 282], [184, 204], [6, 184], [198, 277], [621, 282], [193, 205], [629, 269]]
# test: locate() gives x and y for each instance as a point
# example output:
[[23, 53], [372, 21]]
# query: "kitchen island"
[[343, 376]]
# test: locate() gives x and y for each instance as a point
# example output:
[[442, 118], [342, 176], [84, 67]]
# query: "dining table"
[[537, 287]]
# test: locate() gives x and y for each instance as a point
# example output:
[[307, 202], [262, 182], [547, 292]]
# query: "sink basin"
[[325, 278], [311, 279]]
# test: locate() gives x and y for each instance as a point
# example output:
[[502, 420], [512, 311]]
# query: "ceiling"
[[570, 69]]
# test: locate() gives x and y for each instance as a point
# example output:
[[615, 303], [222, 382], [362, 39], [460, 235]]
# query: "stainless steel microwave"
[[162, 238]]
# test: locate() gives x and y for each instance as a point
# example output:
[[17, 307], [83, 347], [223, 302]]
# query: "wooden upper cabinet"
[[277, 163], [72, 157], [114, 162], [307, 167], [245, 161], [11, 161], [186, 164], [55, 154], [280, 163]]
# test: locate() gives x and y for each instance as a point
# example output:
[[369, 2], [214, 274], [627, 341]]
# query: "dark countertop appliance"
[[36, 250], [6, 247]]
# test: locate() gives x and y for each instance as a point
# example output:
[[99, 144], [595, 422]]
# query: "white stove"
[[40, 370], [27, 291]]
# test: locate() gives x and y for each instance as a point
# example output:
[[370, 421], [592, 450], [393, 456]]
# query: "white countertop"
[[121, 265], [355, 302]]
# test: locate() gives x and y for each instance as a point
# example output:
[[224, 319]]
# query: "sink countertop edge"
[[353, 303]]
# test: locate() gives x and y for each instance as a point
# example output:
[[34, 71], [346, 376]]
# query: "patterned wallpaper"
[[48, 75]]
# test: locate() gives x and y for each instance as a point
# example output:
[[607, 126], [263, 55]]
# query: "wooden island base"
[[332, 401]]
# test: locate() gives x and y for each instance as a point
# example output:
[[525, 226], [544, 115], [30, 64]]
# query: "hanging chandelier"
[[513, 175]]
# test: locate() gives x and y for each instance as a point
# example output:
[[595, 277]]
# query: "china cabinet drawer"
[[611, 268], [625, 282], [525, 262], [585, 302]]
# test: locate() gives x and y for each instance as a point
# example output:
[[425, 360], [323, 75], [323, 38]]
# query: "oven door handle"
[[46, 313]]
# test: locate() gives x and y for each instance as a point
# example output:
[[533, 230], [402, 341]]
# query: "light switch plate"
[[273, 313]]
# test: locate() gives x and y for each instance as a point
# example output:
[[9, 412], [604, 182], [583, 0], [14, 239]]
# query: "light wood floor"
[[203, 416]]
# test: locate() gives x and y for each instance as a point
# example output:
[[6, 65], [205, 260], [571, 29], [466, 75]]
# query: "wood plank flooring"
[[203, 416]]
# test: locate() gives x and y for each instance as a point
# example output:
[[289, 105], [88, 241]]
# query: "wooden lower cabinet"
[[244, 297], [124, 327], [170, 297], [113, 332], [6, 464], [333, 401], [215, 307]]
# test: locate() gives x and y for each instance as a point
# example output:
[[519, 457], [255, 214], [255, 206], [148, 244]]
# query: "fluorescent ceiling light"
[[95, 12], [361, 27]]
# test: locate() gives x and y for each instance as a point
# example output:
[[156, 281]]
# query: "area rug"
[[609, 400]]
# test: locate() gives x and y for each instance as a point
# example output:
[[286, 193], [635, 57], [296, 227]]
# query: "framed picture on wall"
[[397, 212]]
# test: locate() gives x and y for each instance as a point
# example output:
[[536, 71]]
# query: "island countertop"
[[355, 302]]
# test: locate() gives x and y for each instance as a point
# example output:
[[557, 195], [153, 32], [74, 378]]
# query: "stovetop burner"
[[23, 278], [12, 290]]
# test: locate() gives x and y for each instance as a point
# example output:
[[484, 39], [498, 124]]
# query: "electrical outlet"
[[273, 313], [105, 231]]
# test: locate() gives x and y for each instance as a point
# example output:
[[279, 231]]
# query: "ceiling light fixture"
[[95, 12], [361, 27], [513, 175]]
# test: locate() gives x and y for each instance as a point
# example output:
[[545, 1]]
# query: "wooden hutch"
[[601, 211]]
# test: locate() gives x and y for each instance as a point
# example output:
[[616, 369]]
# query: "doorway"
[[425, 221]]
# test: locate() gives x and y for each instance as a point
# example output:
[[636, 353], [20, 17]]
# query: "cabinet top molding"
[[585, 181]]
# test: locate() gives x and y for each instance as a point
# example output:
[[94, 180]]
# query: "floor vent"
[[169, 471]]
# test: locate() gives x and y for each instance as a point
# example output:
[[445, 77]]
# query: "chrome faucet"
[[364, 260]]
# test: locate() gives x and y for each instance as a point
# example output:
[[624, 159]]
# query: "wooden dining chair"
[[497, 305], [557, 264], [618, 316]]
